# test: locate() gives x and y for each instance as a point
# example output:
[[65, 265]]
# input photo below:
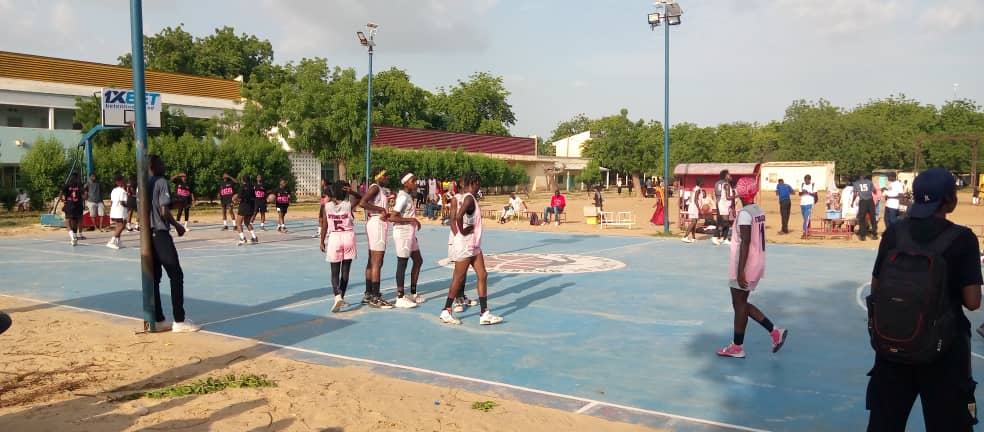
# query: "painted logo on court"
[[545, 263]]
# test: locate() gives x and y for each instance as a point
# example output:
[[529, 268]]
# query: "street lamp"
[[367, 41], [668, 13]]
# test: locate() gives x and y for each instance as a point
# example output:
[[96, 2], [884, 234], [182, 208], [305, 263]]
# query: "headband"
[[406, 177], [381, 173]]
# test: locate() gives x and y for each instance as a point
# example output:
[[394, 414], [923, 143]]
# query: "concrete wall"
[[307, 171], [821, 173], [10, 153]]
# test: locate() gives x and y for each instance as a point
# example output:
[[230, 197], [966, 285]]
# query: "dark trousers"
[[166, 257], [946, 390], [866, 207], [186, 212], [891, 216], [784, 213]]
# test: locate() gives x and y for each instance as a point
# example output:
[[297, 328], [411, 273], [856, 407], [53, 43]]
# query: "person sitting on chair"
[[557, 204], [515, 205], [23, 201]]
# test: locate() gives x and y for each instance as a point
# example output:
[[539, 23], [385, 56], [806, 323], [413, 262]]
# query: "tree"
[[479, 105], [620, 145], [45, 167], [545, 148], [171, 50], [221, 54], [577, 124], [591, 174], [398, 102]]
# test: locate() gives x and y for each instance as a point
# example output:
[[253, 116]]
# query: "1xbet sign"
[[128, 97]]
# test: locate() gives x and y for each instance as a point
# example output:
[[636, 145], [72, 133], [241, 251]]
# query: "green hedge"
[[441, 164]]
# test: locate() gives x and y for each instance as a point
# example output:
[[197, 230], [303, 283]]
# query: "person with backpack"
[[925, 273]]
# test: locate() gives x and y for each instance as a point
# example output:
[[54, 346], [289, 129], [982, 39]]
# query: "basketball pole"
[[140, 132]]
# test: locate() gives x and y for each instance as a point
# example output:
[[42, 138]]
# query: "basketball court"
[[618, 327]]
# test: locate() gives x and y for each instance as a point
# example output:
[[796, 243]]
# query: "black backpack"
[[911, 317], [534, 219]]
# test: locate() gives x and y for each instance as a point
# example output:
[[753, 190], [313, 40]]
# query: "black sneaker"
[[383, 304], [225, 227], [366, 299], [254, 240], [372, 302]]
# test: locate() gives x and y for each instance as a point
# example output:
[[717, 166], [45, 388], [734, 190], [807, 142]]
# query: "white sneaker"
[[716, 241], [488, 319], [338, 305], [405, 303], [726, 242], [75, 242], [241, 242], [459, 306], [447, 318], [112, 245], [687, 240], [185, 327], [417, 298]]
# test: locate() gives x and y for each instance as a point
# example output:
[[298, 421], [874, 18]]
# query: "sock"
[[413, 289], [739, 338], [225, 222], [252, 234], [71, 235], [448, 301], [242, 236], [767, 324], [262, 224], [335, 271], [343, 277], [484, 303], [401, 275]]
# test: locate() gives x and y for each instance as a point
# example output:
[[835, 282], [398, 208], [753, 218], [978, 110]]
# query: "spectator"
[[557, 204], [649, 187], [876, 195], [864, 195], [618, 186], [515, 205], [893, 196], [723, 198], [433, 206], [808, 197], [94, 202], [23, 201], [631, 185], [784, 192], [693, 203], [946, 385], [976, 200]]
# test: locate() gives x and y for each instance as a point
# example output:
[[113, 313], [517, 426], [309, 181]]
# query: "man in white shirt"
[[808, 197], [893, 195], [23, 201], [117, 212], [515, 204]]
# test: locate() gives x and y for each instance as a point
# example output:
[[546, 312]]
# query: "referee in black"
[[164, 254]]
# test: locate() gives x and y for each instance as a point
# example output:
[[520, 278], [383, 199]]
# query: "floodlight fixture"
[[366, 42], [673, 13], [654, 19]]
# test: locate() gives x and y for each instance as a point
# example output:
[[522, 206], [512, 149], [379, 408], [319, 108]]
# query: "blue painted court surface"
[[635, 342]]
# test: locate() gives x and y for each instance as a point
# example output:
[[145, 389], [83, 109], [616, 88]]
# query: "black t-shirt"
[[962, 258], [227, 190], [259, 191], [73, 196], [246, 194], [283, 197]]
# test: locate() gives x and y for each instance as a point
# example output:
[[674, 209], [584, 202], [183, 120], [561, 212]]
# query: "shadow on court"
[[302, 327], [817, 380]]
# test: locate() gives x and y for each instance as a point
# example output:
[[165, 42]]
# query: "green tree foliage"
[[621, 144], [545, 148], [479, 105], [45, 167], [591, 174], [398, 102], [577, 124], [222, 54]]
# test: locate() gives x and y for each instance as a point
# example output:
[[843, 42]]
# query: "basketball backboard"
[[118, 107]]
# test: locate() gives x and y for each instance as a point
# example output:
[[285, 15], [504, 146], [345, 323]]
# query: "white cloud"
[[404, 25], [953, 15]]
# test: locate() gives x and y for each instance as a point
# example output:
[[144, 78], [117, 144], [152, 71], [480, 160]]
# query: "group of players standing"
[[336, 221], [249, 202]]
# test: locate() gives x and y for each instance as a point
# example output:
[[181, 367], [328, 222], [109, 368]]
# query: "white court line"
[[857, 297], [624, 246], [432, 372], [75, 255], [586, 407]]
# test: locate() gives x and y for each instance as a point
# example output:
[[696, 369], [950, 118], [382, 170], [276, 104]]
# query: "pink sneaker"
[[732, 350], [778, 338]]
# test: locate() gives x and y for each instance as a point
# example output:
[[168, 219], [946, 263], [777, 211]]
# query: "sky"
[[730, 60]]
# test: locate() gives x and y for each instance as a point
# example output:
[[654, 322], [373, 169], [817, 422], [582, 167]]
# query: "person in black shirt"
[[259, 190], [247, 199], [226, 191], [131, 203], [72, 196], [283, 201], [946, 386]]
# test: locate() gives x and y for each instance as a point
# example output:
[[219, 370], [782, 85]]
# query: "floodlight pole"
[[140, 132], [666, 118], [372, 34]]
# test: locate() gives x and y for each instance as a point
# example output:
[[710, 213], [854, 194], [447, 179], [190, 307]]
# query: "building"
[[572, 145], [820, 172], [37, 99], [688, 174], [515, 150]]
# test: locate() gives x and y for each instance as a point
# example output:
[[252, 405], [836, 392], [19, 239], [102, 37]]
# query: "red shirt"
[[558, 201]]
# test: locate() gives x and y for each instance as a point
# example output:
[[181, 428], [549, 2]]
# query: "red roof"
[[411, 139]]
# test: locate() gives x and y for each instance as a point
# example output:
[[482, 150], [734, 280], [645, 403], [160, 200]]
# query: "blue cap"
[[928, 190]]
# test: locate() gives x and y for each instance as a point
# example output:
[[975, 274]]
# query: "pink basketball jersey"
[[339, 216], [381, 200], [755, 262], [475, 219]]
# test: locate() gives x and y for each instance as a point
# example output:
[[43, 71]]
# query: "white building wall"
[[572, 145], [821, 173]]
